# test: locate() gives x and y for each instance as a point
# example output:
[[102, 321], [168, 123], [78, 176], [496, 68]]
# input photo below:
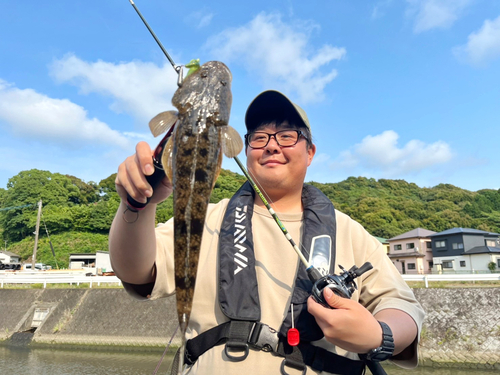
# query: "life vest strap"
[[239, 336]]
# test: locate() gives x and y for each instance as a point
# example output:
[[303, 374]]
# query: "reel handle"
[[342, 285]]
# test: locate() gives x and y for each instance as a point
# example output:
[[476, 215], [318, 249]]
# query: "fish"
[[192, 160]]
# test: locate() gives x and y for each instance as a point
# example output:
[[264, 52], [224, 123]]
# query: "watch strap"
[[386, 350]]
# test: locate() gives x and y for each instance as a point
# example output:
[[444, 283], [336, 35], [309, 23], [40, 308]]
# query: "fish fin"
[[232, 144], [162, 122], [167, 157]]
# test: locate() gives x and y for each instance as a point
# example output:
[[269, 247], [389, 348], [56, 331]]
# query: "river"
[[26, 361]]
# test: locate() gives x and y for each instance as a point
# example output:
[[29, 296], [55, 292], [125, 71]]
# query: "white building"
[[8, 257], [95, 263]]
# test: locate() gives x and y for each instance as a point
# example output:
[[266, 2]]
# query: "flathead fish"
[[192, 160]]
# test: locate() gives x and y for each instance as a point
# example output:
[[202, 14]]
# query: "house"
[[465, 250], [411, 252], [95, 263], [8, 257]]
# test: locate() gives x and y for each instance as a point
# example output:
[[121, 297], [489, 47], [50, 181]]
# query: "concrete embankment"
[[462, 326], [87, 317]]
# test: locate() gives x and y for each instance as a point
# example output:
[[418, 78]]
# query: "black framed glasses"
[[284, 138]]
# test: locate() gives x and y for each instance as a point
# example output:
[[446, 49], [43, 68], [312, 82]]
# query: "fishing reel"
[[342, 285]]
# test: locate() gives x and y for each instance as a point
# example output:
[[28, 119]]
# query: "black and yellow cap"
[[273, 105]]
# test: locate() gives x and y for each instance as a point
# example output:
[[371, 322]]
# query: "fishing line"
[[165, 351]]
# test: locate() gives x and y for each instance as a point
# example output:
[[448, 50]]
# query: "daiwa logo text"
[[240, 236]]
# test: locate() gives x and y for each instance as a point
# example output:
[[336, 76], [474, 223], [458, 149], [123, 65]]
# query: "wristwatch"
[[385, 351]]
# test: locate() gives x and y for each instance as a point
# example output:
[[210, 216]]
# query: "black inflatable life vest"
[[239, 298]]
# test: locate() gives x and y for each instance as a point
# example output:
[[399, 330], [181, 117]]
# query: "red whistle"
[[293, 337]]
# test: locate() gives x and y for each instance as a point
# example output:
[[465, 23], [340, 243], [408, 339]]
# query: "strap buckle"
[[232, 347], [293, 364], [263, 337]]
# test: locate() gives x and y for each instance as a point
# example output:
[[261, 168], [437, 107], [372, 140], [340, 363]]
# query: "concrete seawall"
[[462, 326]]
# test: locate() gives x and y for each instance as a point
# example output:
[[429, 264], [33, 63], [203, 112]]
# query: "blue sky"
[[399, 89]]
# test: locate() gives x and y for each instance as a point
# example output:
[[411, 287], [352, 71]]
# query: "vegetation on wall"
[[77, 215]]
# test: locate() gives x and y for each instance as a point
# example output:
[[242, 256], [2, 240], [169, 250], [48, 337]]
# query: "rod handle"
[[153, 180]]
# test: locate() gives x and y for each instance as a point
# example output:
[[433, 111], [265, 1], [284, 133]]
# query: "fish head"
[[207, 89]]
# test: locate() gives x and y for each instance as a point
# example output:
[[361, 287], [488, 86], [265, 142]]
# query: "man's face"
[[279, 169]]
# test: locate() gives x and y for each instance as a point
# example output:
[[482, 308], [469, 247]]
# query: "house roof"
[[463, 231], [482, 250], [381, 240], [9, 253], [415, 233]]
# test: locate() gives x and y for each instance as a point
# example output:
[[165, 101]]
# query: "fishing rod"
[[342, 285], [312, 272], [177, 68]]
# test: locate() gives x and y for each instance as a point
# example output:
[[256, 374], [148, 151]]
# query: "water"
[[25, 361]]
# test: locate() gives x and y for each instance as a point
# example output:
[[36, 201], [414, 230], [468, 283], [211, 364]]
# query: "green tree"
[[87, 192], [492, 266]]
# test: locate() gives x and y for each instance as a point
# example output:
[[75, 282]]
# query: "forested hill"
[[387, 208], [77, 215]]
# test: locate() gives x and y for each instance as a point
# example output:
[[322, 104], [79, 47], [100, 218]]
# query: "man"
[[261, 279]]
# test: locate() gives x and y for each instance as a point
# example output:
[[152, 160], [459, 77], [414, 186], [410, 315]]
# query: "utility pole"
[[33, 261]]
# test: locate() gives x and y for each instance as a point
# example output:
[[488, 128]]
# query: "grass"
[[62, 286], [455, 284], [411, 284]]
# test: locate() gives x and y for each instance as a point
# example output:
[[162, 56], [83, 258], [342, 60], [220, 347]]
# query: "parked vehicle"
[[38, 266], [10, 266]]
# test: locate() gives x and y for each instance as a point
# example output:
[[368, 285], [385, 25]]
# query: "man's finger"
[[334, 300], [144, 156]]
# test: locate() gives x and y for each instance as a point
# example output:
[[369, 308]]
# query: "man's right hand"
[[131, 177]]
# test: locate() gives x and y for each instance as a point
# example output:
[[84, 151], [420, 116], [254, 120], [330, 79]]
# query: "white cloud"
[[381, 153], [483, 45], [430, 14], [200, 19], [32, 115], [379, 9], [137, 88], [280, 55]]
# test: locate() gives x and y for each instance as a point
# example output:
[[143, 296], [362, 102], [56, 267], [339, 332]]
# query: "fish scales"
[[204, 104]]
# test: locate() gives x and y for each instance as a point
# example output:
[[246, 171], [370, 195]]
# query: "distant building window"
[[411, 266], [498, 263], [462, 263], [491, 243], [431, 264], [440, 244], [457, 245], [410, 245], [447, 264], [429, 245], [397, 247]]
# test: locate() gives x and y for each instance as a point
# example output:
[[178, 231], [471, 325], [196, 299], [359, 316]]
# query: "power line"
[[15, 207]]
